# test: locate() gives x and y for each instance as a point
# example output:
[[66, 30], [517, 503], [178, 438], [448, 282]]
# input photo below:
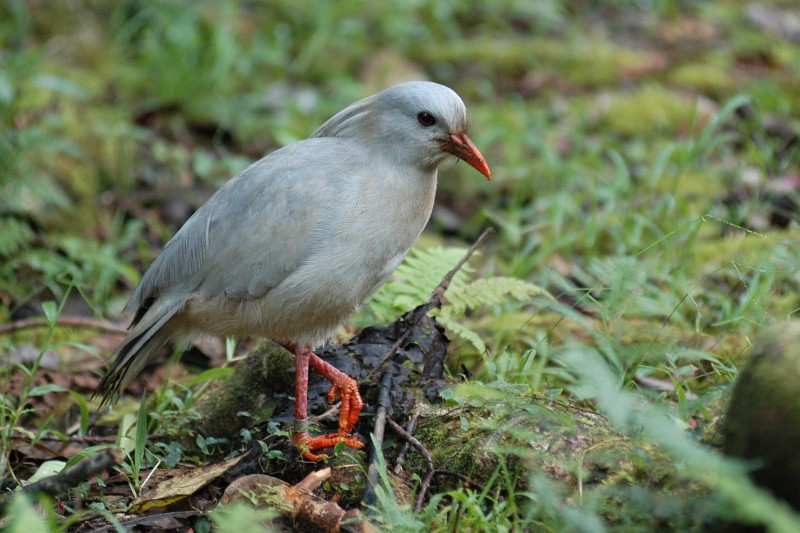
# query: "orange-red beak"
[[461, 146]]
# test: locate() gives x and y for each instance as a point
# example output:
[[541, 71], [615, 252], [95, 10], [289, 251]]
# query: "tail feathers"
[[136, 350]]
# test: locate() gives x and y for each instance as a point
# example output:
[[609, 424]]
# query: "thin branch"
[[85, 469], [435, 301], [67, 321], [333, 411], [156, 521], [384, 405], [423, 451], [401, 457], [312, 481], [30, 436], [438, 292]]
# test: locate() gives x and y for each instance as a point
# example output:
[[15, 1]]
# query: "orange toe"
[[309, 444], [346, 389]]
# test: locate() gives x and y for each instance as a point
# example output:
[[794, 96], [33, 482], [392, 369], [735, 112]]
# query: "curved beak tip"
[[461, 146]]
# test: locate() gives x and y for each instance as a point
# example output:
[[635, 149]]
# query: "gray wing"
[[255, 231]]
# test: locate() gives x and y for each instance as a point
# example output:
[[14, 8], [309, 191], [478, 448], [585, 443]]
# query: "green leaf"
[[201, 443], [489, 291], [47, 469], [14, 236], [23, 517], [210, 374], [125, 441], [80, 401], [464, 332], [41, 390], [50, 313], [415, 279], [141, 434]]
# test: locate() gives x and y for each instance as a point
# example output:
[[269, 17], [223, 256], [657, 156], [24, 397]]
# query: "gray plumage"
[[289, 247]]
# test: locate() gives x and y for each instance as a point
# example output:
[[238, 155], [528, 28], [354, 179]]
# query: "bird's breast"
[[380, 226], [356, 250]]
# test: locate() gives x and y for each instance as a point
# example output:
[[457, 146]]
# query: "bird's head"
[[419, 120]]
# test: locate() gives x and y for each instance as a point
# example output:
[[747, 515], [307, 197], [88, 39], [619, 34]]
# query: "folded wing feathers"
[[137, 349]]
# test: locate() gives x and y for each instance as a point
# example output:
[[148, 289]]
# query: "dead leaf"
[[181, 486]]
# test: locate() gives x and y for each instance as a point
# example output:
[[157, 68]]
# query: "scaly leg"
[[342, 385]]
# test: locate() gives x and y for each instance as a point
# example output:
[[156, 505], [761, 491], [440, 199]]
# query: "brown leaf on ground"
[[176, 489]]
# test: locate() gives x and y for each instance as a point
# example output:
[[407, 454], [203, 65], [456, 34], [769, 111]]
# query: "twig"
[[469, 481], [423, 451], [384, 404], [68, 321], [79, 439], [334, 410], [401, 457], [312, 481], [73, 477], [438, 292], [156, 521], [661, 385], [149, 475], [435, 301]]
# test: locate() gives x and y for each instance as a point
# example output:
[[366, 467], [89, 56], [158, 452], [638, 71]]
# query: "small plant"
[[14, 408]]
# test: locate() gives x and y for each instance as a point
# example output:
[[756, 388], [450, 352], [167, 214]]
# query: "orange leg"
[[342, 385]]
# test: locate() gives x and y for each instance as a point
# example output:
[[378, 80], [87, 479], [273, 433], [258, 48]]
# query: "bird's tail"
[[144, 339]]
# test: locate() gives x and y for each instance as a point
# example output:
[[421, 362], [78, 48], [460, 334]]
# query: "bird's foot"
[[342, 386], [308, 444], [346, 389]]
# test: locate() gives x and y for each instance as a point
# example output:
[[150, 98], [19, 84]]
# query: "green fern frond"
[[423, 270], [457, 328], [491, 291], [415, 279], [14, 236]]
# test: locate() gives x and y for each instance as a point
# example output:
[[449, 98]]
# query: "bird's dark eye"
[[426, 119]]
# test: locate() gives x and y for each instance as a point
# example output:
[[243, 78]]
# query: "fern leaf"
[[415, 279], [14, 236], [460, 330], [491, 291]]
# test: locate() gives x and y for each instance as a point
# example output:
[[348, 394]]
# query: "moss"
[[264, 374], [348, 477], [713, 254], [697, 186], [586, 61], [604, 63], [525, 434], [763, 421], [709, 78], [650, 110]]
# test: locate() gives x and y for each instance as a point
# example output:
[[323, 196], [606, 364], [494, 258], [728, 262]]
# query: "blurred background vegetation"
[[644, 154]]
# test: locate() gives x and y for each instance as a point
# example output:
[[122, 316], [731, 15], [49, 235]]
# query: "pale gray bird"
[[293, 244]]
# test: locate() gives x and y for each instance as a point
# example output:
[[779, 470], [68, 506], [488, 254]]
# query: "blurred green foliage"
[[644, 154]]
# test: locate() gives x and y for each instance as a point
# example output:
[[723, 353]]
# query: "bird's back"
[[292, 244]]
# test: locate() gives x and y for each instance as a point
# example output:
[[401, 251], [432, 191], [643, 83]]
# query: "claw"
[[342, 386], [346, 389], [307, 444]]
